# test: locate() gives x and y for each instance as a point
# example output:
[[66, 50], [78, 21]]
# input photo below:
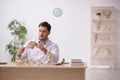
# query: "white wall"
[[71, 31]]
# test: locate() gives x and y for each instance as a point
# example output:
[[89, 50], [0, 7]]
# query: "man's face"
[[43, 33]]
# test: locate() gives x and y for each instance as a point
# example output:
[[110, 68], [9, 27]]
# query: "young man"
[[43, 46]]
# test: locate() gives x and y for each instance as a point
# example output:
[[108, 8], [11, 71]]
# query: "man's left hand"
[[41, 47]]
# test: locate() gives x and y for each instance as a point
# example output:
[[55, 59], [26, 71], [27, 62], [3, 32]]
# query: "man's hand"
[[20, 51], [41, 47]]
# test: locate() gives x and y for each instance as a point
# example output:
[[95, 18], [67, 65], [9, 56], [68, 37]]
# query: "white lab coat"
[[37, 55]]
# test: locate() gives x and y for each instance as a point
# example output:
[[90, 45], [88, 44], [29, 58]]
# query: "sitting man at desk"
[[42, 46]]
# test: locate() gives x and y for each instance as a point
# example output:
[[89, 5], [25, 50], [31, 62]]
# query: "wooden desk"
[[42, 72]]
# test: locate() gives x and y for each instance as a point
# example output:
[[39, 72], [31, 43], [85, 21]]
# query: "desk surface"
[[13, 65], [11, 71]]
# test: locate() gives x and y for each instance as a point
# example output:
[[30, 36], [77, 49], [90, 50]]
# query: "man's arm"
[[21, 54], [42, 48], [54, 51], [20, 51]]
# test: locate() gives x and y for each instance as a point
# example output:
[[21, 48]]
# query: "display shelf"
[[103, 36]]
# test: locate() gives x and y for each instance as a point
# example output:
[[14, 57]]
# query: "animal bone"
[[31, 45], [97, 24]]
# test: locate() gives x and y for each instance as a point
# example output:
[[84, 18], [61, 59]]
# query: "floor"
[[102, 74]]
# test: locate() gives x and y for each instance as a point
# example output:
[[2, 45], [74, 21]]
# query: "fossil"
[[31, 45]]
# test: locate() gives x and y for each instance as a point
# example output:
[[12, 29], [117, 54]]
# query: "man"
[[42, 48]]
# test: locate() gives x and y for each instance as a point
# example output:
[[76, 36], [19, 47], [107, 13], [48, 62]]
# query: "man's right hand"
[[20, 51]]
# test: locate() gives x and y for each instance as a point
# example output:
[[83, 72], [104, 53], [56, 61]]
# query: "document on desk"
[[1, 63]]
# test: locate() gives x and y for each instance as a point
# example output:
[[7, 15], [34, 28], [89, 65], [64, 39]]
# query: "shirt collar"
[[39, 41]]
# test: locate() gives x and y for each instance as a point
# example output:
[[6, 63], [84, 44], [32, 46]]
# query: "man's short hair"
[[45, 24]]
